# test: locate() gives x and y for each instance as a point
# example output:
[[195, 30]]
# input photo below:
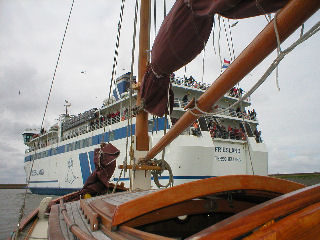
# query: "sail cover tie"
[[181, 38]]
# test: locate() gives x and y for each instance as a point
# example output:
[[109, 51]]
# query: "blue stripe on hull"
[[84, 165], [43, 181], [53, 191]]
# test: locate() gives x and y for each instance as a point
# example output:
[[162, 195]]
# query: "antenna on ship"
[[68, 104]]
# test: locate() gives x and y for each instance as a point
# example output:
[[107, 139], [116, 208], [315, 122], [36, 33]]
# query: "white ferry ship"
[[223, 143]]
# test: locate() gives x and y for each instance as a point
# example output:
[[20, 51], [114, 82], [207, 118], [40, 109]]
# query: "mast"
[[140, 179], [142, 138], [293, 15]]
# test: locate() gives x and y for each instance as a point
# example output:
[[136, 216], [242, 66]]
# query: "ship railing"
[[237, 93], [234, 113], [189, 83]]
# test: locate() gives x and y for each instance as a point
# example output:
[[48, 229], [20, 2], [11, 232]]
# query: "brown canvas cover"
[[105, 164], [183, 35]]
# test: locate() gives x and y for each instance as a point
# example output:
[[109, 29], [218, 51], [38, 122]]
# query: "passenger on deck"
[[185, 98], [195, 129]]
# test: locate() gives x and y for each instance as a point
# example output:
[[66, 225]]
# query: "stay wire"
[[21, 212], [227, 38], [129, 117], [116, 52], [57, 63], [231, 40], [219, 37], [155, 16], [274, 64]]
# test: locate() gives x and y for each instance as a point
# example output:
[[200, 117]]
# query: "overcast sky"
[[31, 32]]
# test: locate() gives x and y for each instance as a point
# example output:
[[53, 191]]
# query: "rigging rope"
[[219, 49], [278, 47], [231, 40], [21, 212], [203, 58], [155, 16], [214, 26], [225, 31], [129, 117], [116, 52], [56, 67], [274, 64]]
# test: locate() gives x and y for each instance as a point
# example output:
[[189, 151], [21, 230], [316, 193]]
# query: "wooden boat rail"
[[302, 225], [73, 227], [90, 215], [245, 221], [114, 210], [54, 229]]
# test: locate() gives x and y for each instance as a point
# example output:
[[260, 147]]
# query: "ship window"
[[111, 136], [77, 146], [90, 141], [83, 145]]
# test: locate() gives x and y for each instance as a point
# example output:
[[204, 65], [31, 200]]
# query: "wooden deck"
[[251, 201]]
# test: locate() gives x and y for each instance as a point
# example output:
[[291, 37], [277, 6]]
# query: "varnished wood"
[[295, 13], [302, 225], [142, 137], [142, 235], [104, 210], [116, 235], [90, 215], [136, 86], [196, 189], [250, 219], [54, 228], [72, 226], [32, 228], [190, 207], [27, 219]]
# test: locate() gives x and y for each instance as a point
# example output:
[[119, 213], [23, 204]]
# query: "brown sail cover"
[[182, 36], [105, 164]]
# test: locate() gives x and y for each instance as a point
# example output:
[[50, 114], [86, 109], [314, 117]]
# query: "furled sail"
[[105, 164], [183, 35]]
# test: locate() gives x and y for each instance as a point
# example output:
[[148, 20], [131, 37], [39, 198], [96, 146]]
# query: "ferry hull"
[[190, 158]]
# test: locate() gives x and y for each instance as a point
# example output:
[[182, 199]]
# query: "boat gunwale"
[[196, 189]]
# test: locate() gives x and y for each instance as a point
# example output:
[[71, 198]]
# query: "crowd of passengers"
[[251, 115], [220, 131], [236, 92], [189, 82], [111, 118]]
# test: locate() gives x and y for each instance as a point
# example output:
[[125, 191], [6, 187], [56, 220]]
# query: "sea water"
[[11, 201]]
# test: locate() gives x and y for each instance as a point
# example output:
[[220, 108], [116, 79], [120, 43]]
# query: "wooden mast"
[[142, 138], [293, 15], [141, 179]]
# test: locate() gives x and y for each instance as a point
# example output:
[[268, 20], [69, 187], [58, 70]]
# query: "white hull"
[[190, 157]]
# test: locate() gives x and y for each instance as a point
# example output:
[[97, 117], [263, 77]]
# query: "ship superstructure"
[[215, 145]]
